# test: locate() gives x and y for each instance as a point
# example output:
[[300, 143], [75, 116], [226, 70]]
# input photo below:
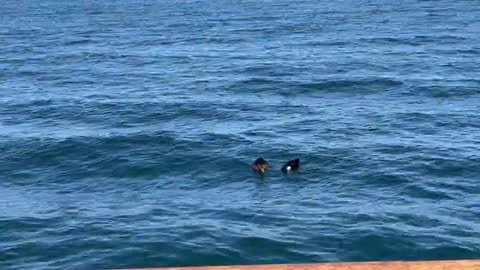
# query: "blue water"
[[128, 129]]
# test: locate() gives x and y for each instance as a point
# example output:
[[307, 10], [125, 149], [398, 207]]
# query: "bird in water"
[[291, 165], [260, 165]]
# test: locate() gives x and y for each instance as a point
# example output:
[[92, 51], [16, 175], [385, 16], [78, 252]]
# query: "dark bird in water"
[[291, 165], [260, 165]]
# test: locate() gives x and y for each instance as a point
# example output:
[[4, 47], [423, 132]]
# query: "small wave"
[[416, 40], [78, 42], [452, 167], [436, 91], [353, 86], [360, 86], [326, 43], [415, 190]]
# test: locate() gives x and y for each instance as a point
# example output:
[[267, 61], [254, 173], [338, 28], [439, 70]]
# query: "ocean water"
[[128, 129]]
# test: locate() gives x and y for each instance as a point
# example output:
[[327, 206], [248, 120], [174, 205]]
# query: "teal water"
[[127, 131]]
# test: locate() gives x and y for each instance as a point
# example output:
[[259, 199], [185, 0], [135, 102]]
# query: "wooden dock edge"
[[394, 265]]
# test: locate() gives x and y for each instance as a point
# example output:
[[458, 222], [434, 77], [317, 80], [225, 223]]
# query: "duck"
[[260, 165], [291, 165]]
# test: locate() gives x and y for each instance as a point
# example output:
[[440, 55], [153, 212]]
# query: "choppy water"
[[127, 130]]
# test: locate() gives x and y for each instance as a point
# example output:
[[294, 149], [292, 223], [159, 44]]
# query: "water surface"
[[127, 131]]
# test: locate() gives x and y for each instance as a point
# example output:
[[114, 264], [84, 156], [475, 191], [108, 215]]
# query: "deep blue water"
[[128, 129]]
